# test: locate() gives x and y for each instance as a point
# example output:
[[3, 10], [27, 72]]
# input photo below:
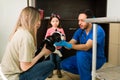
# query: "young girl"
[[54, 24], [19, 62]]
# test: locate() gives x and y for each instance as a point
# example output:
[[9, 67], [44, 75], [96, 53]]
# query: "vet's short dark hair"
[[89, 13]]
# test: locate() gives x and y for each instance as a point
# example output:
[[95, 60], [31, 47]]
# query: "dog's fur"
[[49, 41]]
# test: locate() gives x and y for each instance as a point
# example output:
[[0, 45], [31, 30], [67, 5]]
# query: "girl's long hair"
[[28, 19], [52, 16]]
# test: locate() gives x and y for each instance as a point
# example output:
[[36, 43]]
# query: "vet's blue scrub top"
[[81, 37]]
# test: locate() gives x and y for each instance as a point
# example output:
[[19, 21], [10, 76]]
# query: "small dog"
[[49, 41]]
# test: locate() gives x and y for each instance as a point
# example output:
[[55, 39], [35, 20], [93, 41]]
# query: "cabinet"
[[69, 11]]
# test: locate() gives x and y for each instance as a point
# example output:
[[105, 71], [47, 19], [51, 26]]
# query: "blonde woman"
[[19, 62]]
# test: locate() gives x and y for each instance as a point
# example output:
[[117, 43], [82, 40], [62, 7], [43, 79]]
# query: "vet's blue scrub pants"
[[81, 63]]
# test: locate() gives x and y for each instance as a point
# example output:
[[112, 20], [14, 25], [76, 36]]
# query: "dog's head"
[[55, 37], [50, 40]]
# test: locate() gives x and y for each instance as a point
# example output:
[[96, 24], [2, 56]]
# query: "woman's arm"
[[27, 65]]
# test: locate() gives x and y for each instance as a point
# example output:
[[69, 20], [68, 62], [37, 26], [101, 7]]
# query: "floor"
[[103, 72], [66, 76], [109, 74]]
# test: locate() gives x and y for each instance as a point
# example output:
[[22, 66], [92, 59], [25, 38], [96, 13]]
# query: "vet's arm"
[[73, 41], [84, 47], [27, 65]]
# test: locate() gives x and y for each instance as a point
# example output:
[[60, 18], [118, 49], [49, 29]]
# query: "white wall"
[[32, 3], [113, 8], [10, 9], [9, 12]]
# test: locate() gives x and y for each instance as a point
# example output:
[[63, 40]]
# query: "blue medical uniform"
[[81, 63]]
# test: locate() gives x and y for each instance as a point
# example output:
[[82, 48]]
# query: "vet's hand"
[[63, 43]]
